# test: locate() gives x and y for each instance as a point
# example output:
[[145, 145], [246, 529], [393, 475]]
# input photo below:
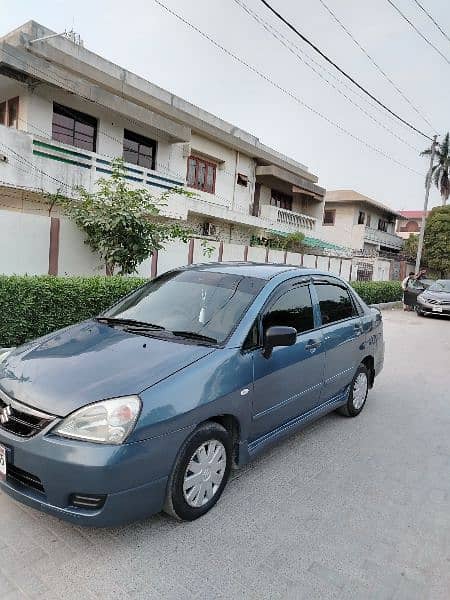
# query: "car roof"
[[250, 269]]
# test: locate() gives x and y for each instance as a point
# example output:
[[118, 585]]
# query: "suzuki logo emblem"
[[5, 413]]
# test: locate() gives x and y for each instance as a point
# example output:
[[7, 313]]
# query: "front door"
[[343, 336], [288, 383]]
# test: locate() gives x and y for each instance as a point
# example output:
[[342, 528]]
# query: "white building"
[[66, 112], [356, 221]]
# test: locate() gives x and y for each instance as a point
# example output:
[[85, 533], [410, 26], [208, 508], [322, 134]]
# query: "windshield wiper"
[[131, 323], [193, 335]]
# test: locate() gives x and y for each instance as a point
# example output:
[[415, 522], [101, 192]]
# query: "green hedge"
[[376, 292], [33, 306]]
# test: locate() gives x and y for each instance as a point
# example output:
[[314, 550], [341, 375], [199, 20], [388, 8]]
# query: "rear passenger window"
[[335, 303], [293, 309]]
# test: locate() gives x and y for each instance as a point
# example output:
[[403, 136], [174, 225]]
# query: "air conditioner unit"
[[209, 229]]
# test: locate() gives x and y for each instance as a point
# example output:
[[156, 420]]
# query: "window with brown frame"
[[201, 174], [281, 200], [13, 113], [139, 150], [74, 128], [9, 112], [382, 225], [329, 217]]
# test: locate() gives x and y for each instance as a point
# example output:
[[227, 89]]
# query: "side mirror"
[[278, 335]]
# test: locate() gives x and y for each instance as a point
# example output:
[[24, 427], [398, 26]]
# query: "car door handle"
[[312, 345]]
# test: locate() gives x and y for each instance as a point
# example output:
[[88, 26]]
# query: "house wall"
[[345, 231], [33, 253]]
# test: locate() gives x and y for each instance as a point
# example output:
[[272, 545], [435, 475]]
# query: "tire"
[[208, 450], [357, 397]]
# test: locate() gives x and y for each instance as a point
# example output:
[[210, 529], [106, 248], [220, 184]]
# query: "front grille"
[[16, 475], [435, 301], [20, 419]]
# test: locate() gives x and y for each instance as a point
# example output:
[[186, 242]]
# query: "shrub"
[[376, 292], [32, 306]]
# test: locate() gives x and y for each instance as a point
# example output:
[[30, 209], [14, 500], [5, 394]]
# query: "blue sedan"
[[148, 406]]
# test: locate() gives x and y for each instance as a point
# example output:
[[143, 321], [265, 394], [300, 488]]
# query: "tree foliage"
[[121, 222], [410, 248], [440, 171], [437, 240]]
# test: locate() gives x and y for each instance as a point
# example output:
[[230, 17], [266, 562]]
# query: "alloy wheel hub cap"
[[360, 390], [204, 473]]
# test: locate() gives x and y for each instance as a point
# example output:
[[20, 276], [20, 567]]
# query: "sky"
[[142, 37]]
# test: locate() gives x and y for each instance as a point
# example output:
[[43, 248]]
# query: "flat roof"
[[78, 61], [353, 197]]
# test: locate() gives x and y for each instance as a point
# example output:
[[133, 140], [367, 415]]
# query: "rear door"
[[289, 383], [343, 338]]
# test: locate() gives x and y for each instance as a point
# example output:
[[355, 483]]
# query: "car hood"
[[439, 296], [88, 362]]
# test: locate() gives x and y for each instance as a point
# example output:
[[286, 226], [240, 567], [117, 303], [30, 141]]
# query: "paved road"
[[348, 508]]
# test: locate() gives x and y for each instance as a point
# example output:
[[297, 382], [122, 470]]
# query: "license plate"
[[2, 463], [437, 309]]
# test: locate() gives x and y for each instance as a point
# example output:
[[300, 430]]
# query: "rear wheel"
[[358, 393], [200, 473]]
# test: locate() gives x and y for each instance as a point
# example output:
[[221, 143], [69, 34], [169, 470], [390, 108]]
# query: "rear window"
[[335, 303]]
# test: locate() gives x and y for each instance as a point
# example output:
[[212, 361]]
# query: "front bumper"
[[133, 477], [433, 309]]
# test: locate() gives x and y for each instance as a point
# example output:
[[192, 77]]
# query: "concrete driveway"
[[348, 508]]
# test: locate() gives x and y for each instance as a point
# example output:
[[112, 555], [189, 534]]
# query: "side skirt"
[[248, 452]]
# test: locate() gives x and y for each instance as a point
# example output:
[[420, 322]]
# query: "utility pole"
[[425, 206]]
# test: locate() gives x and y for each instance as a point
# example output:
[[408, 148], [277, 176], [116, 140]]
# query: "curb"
[[387, 305]]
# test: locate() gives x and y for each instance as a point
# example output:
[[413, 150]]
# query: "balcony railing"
[[292, 220], [383, 238]]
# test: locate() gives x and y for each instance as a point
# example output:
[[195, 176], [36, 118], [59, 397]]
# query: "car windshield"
[[193, 304], [441, 285]]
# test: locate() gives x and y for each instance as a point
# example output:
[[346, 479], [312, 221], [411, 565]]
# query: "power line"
[[432, 19], [376, 65], [284, 90], [418, 31], [274, 34], [349, 77]]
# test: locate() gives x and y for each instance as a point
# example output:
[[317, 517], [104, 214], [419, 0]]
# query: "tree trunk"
[[109, 269]]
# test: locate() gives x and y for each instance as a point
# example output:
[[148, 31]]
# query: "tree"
[[410, 248], [440, 171], [121, 222], [437, 240]]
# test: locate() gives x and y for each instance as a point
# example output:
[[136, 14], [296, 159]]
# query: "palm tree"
[[440, 171]]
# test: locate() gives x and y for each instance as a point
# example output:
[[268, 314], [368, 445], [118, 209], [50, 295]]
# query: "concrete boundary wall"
[[35, 244]]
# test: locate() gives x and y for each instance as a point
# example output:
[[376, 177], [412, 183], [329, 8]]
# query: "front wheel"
[[357, 396], [200, 473]]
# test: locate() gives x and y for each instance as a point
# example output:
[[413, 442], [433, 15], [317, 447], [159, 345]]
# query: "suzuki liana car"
[[435, 300], [148, 406]]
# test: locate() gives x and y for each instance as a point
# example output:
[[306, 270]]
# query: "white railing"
[[383, 237], [294, 221], [42, 164]]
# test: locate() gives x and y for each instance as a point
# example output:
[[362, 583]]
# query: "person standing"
[[405, 283]]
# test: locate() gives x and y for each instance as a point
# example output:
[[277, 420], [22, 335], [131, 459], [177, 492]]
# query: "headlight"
[[4, 354], [107, 422]]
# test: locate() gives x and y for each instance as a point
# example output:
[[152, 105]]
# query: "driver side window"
[[292, 309]]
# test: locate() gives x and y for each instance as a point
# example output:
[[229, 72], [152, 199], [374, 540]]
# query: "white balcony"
[[287, 220], [383, 238], [44, 165]]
